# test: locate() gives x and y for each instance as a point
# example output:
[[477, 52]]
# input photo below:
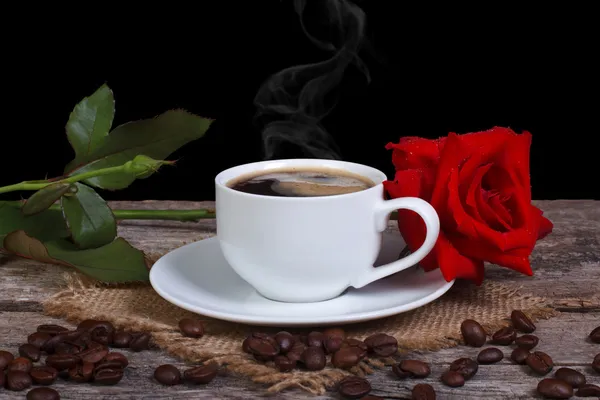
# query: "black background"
[[433, 71]]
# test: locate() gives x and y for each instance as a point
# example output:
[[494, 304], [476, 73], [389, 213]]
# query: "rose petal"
[[415, 152]]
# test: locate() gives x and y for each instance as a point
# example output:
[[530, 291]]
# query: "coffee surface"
[[301, 183]]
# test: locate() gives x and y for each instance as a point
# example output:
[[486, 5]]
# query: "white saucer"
[[196, 277]]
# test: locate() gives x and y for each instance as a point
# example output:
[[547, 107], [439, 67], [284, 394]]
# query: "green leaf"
[[44, 198], [89, 218], [47, 225], [118, 261], [90, 122], [156, 138]]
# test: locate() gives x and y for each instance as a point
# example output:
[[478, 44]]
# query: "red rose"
[[479, 185]]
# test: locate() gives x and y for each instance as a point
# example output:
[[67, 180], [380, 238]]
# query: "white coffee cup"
[[309, 249]]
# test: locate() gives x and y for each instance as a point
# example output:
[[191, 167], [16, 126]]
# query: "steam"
[[292, 103]]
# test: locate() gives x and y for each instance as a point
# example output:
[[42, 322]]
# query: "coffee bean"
[[5, 359], [399, 372], [29, 351], [491, 355], [167, 375], [588, 390], [596, 363], [504, 336], [473, 333], [453, 379], [62, 361], [314, 358], [595, 335], [202, 374], [358, 344], [315, 339], [371, 397], [571, 376], [262, 346], [296, 352], [382, 344], [284, 364], [333, 344], [108, 376], [51, 329], [67, 348], [102, 335], [193, 328], [334, 332], [465, 366], [354, 387], [43, 375], [519, 355], [121, 339], [347, 357], [554, 389], [116, 357], [81, 372], [521, 322], [539, 362], [423, 391], [43, 393], [108, 365], [20, 364], [93, 354], [527, 342], [140, 342], [18, 380], [416, 368], [285, 341], [38, 339], [66, 336]]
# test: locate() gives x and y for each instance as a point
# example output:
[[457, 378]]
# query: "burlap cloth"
[[431, 327]]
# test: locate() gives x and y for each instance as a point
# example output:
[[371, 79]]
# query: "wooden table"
[[567, 272]]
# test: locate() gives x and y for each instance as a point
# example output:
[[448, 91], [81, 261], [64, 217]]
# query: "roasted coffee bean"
[[284, 364], [20, 364], [333, 344], [519, 355], [167, 375], [285, 341], [491, 355], [401, 374], [314, 339], [202, 374], [51, 329], [595, 335], [295, 353], [5, 359], [43, 375], [108, 376], [87, 324], [453, 379], [29, 351], [382, 344], [93, 354], [555, 389], [521, 322], [62, 361], [81, 372], [416, 368], [102, 335], [2, 379], [121, 339], [354, 387], [423, 391], [140, 342], [18, 380], [334, 332], [358, 344], [588, 390], [571, 376], [539, 362], [43, 393], [38, 339], [314, 358], [504, 336], [465, 366], [527, 342], [347, 357], [67, 348], [190, 327], [263, 346], [66, 336], [473, 333], [596, 363], [108, 365], [371, 397], [116, 357]]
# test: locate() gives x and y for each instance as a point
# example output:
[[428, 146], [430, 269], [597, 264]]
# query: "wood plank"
[[563, 337]]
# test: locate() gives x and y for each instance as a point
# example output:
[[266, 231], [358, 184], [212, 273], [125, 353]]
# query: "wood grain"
[[567, 272]]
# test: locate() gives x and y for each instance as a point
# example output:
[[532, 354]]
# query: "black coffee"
[[301, 183]]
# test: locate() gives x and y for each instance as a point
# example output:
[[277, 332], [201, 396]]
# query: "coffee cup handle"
[[382, 212]]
